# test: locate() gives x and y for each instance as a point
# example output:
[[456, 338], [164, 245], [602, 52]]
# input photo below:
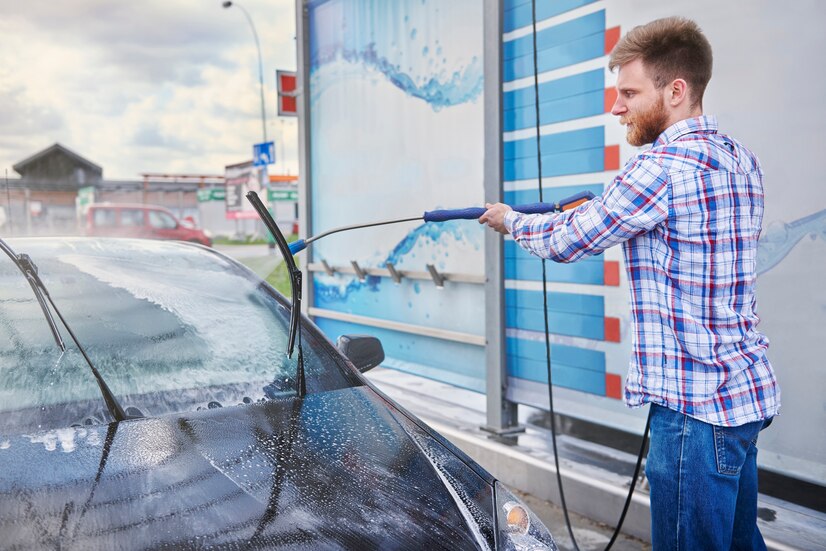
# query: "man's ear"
[[677, 92]]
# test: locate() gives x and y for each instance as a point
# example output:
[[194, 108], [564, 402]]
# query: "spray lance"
[[288, 250], [471, 213]]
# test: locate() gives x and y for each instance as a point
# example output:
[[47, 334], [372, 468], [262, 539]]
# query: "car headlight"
[[519, 528]]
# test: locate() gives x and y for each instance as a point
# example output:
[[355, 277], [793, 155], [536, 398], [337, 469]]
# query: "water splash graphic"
[[408, 43], [463, 85], [779, 239], [426, 235]]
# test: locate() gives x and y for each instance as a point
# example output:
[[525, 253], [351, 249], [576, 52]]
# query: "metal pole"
[[260, 65], [502, 416], [302, 74]]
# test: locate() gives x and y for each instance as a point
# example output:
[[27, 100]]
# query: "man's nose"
[[619, 107]]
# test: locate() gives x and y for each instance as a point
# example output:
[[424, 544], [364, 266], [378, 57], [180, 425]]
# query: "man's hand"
[[495, 216]]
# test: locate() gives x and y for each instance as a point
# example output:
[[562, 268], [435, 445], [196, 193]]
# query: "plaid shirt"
[[688, 213]]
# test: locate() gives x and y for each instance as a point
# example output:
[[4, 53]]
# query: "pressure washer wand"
[[471, 213]]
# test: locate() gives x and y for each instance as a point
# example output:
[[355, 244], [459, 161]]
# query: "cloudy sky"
[[164, 86]]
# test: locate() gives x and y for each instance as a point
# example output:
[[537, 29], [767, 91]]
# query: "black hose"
[[548, 338]]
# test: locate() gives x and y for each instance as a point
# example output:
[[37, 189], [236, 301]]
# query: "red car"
[[138, 220]]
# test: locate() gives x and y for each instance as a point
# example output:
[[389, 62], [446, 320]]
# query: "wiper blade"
[[25, 265], [295, 286], [29, 269]]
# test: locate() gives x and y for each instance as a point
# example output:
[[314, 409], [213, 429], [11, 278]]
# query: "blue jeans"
[[703, 482]]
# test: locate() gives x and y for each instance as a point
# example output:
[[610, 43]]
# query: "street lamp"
[[229, 4]]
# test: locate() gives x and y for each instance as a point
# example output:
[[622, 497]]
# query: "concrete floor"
[[590, 535]]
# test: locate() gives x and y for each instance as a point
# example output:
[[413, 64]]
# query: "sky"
[[155, 86]]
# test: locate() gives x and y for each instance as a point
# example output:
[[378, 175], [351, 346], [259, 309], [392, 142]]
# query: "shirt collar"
[[703, 123]]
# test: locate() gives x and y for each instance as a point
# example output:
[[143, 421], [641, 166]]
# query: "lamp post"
[[229, 4]]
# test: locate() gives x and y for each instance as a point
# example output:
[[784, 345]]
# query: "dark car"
[[215, 448]]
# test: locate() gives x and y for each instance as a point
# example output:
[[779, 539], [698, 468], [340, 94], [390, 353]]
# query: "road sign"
[[263, 154], [211, 194], [85, 196], [286, 84], [282, 195]]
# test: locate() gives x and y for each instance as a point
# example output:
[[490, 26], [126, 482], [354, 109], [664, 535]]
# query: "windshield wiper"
[[24, 263], [295, 287], [29, 269]]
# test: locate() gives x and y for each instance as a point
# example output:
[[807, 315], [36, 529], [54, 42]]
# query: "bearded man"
[[688, 212]]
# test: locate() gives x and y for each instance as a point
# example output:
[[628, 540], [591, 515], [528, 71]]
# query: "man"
[[688, 212]]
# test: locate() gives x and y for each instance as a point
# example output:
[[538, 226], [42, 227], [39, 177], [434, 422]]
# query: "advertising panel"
[[583, 146], [396, 122], [238, 180]]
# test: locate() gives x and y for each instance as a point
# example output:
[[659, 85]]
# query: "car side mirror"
[[364, 351]]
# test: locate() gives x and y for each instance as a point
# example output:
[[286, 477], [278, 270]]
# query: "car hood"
[[341, 469]]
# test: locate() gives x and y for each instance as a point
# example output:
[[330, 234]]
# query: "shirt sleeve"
[[635, 202]]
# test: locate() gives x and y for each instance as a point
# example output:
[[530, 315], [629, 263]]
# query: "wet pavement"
[[590, 535]]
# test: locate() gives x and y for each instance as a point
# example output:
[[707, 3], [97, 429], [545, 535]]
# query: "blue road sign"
[[263, 154]]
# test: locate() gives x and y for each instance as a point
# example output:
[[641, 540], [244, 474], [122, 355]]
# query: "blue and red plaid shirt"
[[688, 212]]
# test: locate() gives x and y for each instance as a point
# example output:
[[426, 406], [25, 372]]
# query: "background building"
[[56, 184]]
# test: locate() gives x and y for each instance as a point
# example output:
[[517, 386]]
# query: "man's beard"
[[647, 125]]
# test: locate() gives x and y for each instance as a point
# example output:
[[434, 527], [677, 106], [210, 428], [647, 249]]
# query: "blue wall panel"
[[570, 303], [565, 44], [561, 142], [581, 151], [570, 53], [573, 85], [518, 13], [572, 367], [573, 325], [588, 104], [558, 35], [582, 161], [570, 314], [519, 264]]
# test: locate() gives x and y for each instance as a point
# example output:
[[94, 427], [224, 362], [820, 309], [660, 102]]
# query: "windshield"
[[170, 327]]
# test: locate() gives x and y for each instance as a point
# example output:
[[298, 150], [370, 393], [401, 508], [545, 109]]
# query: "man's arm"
[[635, 202]]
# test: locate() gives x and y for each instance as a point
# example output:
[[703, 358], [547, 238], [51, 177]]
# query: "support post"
[[302, 85], [501, 413]]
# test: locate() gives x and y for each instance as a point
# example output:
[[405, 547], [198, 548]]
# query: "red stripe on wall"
[[613, 386], [611, 157], [610, 99], [612, 36], [610, 273], [612, 329]]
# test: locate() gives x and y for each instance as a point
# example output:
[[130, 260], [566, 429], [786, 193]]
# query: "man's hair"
[[669, 48]]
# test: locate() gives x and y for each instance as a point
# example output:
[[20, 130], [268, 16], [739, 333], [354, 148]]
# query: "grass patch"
[[246, 240], [280, 278]]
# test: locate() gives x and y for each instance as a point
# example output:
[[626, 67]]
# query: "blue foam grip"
[[297, 246], [473, 213], [453, 214]]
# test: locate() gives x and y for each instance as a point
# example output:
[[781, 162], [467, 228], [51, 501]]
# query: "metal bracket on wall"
[[327, 268], [454, 277], [361, 274], [397, 277], [438, 278]]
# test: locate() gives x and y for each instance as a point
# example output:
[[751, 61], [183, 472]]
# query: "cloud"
[[150, 86]]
